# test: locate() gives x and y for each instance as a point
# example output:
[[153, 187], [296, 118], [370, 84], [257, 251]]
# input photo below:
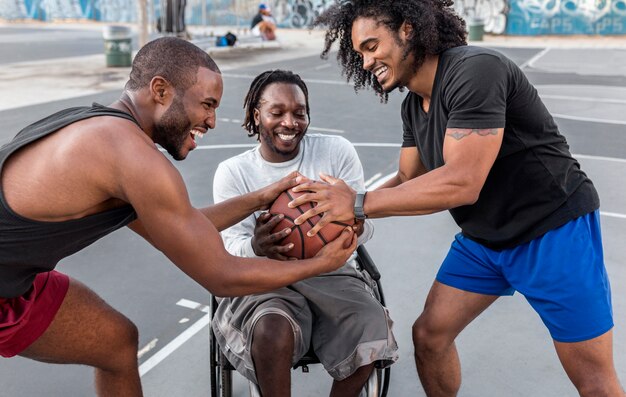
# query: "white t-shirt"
[[249, 171]]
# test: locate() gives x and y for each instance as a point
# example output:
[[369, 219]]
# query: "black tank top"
[[27, 246]]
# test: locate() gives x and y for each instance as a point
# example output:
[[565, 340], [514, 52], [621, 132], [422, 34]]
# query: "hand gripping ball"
[[303, 246]]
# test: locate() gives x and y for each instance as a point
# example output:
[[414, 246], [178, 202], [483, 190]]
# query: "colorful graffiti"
[[534, 17], [299, 13], [288, 13], [12, 9], [49, 10], [516, 17], [491, 13]]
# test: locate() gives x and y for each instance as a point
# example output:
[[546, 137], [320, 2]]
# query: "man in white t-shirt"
[[336, 313]]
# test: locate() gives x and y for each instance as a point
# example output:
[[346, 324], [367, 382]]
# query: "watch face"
[[359, 213]]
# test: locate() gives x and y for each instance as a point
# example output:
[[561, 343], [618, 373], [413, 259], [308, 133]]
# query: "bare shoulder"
[[109, 134], [117, 153]]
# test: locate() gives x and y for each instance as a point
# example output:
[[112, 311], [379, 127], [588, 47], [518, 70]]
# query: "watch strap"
[[359, 212]]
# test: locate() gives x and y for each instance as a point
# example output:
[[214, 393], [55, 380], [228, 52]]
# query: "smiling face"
[[282, 121], [189, 116], [383, 51]]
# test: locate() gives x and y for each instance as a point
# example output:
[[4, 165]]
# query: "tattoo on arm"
[[460, 133]]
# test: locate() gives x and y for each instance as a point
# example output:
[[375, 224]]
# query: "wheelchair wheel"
[[222, 380], [221, 374], [226, 379], [377, 384]]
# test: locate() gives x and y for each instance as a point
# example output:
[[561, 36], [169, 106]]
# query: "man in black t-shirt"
[[478, 142]]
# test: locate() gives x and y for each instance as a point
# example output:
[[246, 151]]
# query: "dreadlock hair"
[[253, 97], [436, 28], [174, 59]]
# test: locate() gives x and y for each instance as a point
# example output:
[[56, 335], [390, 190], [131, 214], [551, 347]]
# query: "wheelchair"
[[222, 371]]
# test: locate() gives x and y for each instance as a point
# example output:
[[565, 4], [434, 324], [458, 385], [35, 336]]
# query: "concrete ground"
[[505, 352]]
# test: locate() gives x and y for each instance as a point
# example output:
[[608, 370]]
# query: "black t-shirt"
[[535, 185]]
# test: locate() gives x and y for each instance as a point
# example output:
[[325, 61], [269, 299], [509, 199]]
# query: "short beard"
[[267, 138], [171, 131]]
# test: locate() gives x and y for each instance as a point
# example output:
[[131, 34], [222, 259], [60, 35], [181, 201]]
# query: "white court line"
[[599, 158], [193, 305], [613, 215], [380, 181], [251, 145], [583, 99], [372, 179], [590, 119], [331, 130], [323, 66], [313, 81], [171, 347], [327, 130], [534, 59], [180, 339]]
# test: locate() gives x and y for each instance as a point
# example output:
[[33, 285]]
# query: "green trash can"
[[118, 47], [476, 29]]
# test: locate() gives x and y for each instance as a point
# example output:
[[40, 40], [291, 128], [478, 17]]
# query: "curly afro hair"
[[435, 25]]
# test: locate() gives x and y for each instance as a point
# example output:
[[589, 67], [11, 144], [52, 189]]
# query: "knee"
[[273, 335], [598, 387], [429, 339], [122, 339]]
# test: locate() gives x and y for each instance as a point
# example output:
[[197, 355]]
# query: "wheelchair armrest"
[[366, 262]]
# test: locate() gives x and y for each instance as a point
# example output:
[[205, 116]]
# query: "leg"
[[590, 367], [352, 330], [272, 352], [86, 330], [353, 384], [447, 311]]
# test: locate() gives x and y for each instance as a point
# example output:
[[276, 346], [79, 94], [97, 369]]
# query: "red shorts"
[[25, 318]]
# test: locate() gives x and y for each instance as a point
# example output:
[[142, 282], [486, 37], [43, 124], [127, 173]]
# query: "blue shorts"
[[561, 274]]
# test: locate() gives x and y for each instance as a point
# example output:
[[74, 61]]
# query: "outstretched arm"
[[230, 212], [410, 166], [187, 237], [468, 154]]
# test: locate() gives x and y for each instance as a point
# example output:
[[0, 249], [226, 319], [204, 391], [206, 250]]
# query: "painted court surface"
[[506, 352]]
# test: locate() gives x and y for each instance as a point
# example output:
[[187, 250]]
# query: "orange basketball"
[[303, 246]]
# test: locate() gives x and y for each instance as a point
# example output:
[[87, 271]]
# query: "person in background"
[[263, 24]]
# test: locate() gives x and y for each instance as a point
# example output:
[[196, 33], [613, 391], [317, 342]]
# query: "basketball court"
[[506, 352]]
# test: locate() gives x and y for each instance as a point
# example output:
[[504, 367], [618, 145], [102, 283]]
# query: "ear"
[[406, 30], [160, 90], [257, 117]]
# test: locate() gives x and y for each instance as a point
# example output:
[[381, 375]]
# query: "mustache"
[[285, 130]]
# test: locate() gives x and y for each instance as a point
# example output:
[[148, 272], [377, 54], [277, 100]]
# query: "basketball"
[[303, 246]]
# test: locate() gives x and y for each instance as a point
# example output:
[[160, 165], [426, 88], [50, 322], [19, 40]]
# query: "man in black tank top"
[[75, 176], [478, 142]]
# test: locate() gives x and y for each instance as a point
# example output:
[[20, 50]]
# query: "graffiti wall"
[[288, 13], [50, 10], [12, 9], [534, 17], [514, 17], [492, 13]]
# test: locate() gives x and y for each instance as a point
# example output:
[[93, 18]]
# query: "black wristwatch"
[[359, 213]]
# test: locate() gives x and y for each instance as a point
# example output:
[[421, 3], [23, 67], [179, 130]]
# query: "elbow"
[[222, 287], [470, 197], [467, 193], [222, 280]]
